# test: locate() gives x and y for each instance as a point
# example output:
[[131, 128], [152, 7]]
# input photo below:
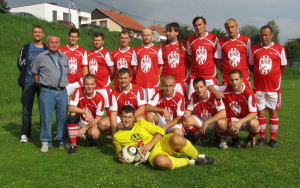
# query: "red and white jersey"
[[207, 108], [99, 61], [148, 60], [240, 104], [77, 59], [175, 63], [234, 54], [267, 62], [133, 97], [123, 59], [95, 104], [202, 50], [175, 105]]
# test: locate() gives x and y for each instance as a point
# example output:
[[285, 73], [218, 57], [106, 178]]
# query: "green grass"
[[22, 165]]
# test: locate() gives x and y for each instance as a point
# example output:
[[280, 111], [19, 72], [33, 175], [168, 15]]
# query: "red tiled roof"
[[160, 29], [123, 19]]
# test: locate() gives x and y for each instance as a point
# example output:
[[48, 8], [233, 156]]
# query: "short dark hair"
[[266, 27], [123, 71], [128, 109], [89, 76], [37, 26], [197, 18], [199, 79], [98, 34], [73, 30], [125, 32], [236, 71]]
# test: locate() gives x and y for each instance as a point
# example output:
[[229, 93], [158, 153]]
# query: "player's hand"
[[203, 128], [119, 126], [235, 126], [81, 132], [89, 117], [167, 116], [144, 149], [218, 94], [120, 157]]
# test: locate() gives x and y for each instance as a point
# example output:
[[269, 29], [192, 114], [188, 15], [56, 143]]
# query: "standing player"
[[77, 61], [89, 104], [241, 112], [210, 114], [232, 52], [101, 65], [175, 58], [126, 94], [124, 56], [166, 107], [26, 55], [149, 65], [202, 46], [269, 61], [163, 147]]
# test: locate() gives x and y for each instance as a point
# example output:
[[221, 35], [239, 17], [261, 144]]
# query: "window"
[[54, 15], [66, 16], [94, 23], [103, 23]]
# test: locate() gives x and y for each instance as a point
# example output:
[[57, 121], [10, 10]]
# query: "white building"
[[52, 12]]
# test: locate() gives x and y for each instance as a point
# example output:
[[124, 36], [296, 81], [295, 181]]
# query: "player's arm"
[[77, 110], [160, 68], [36, 78], [111, 70], [85, 70], [140, 111], [219, 64], [220, 115], [172, 123], [157, 137], [150, 108], [216, 92], [237, 124], [118, 149], [113, 122]]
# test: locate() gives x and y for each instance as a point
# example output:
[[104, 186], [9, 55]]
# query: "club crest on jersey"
[[173, 59], [205, 115], [136, 137], [235, 108], [265, 64], [146, 63], [234, 57], [72, 65], [201, 55], [122, 63], [93, 66]]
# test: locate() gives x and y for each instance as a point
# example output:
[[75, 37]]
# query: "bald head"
[[147, 36]]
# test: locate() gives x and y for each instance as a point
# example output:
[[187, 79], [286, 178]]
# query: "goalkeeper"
[[162, 147]]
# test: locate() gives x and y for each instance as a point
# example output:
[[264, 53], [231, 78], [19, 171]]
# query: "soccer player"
[[201, 47], [77, 61], [241, 112], [268, 61], [209, 114], [126, 94], [175, 58], [88, 107], [163, 147], [149, 65], [101, 65], [233, 52], [124, 56], [166, 107], [29, 88]]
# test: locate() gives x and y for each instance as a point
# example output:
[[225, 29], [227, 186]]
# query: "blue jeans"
[[27, 99], [49, 101]]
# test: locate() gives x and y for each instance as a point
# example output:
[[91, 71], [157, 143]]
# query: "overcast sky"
[[256, 12]]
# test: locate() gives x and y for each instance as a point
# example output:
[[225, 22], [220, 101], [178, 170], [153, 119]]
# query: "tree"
[[3, 6], [218, 32], [276, 30], [252, 32], [185, 32], [293, 50]]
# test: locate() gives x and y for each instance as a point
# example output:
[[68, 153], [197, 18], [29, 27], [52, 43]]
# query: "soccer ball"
[[129, 153]]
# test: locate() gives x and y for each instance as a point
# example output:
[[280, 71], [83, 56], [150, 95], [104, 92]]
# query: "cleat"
[[203, 160], [250, 143], [23, 138], [236, 142], [223, 144], [44, 148], [261, 141], [201, 141], [273, 143], [90, 141], [72, 150]]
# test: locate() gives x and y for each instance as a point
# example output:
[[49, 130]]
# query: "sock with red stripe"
[[262, 124], [274, 122], [73, 131]]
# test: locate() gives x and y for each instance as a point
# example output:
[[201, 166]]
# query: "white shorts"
[[148, 93], [82, 123], [191, 86], [106, 95], [72, 86], [271, 100], [200, 122], [162, 122], [181, 88]]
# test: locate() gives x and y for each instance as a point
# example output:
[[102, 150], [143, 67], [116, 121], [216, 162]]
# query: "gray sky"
[[256, 12]]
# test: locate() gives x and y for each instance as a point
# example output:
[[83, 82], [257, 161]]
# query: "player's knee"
[[254, 125], [73, 119], [177, 142], [162, 162], [137, 118], [178, 131], [222, 125], [94, 133]]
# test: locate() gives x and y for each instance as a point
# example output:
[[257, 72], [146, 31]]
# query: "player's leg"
[[233, 132], [162, 162], [106, 95], [177, 129], [221, 132], [72, 125], [273, 104], [261, 113], [192, 125], [253, 129], [152, 117]]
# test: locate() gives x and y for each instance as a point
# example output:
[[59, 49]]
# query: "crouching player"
[[241, 112], [209, 114], [166, 107], [163, 147], [89, 108]]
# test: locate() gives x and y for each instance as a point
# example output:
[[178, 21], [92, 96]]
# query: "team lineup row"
[[57, 72]]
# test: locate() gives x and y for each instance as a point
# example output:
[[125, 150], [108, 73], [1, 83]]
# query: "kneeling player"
[[89, 104], [163, 147], [166, 107], [241, 112], [210, 114]]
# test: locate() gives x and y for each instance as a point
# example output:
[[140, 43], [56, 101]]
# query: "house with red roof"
[[159, 33]]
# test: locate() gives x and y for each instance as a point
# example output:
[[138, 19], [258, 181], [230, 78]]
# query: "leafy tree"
[[3, 6], [276, 30], [252, 32], [218, 32], [293, 50], [185, 32]]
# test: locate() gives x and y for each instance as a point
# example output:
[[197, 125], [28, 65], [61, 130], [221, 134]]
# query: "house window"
[[54, 15], [103, 23], [66, 16], [94, 23]]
